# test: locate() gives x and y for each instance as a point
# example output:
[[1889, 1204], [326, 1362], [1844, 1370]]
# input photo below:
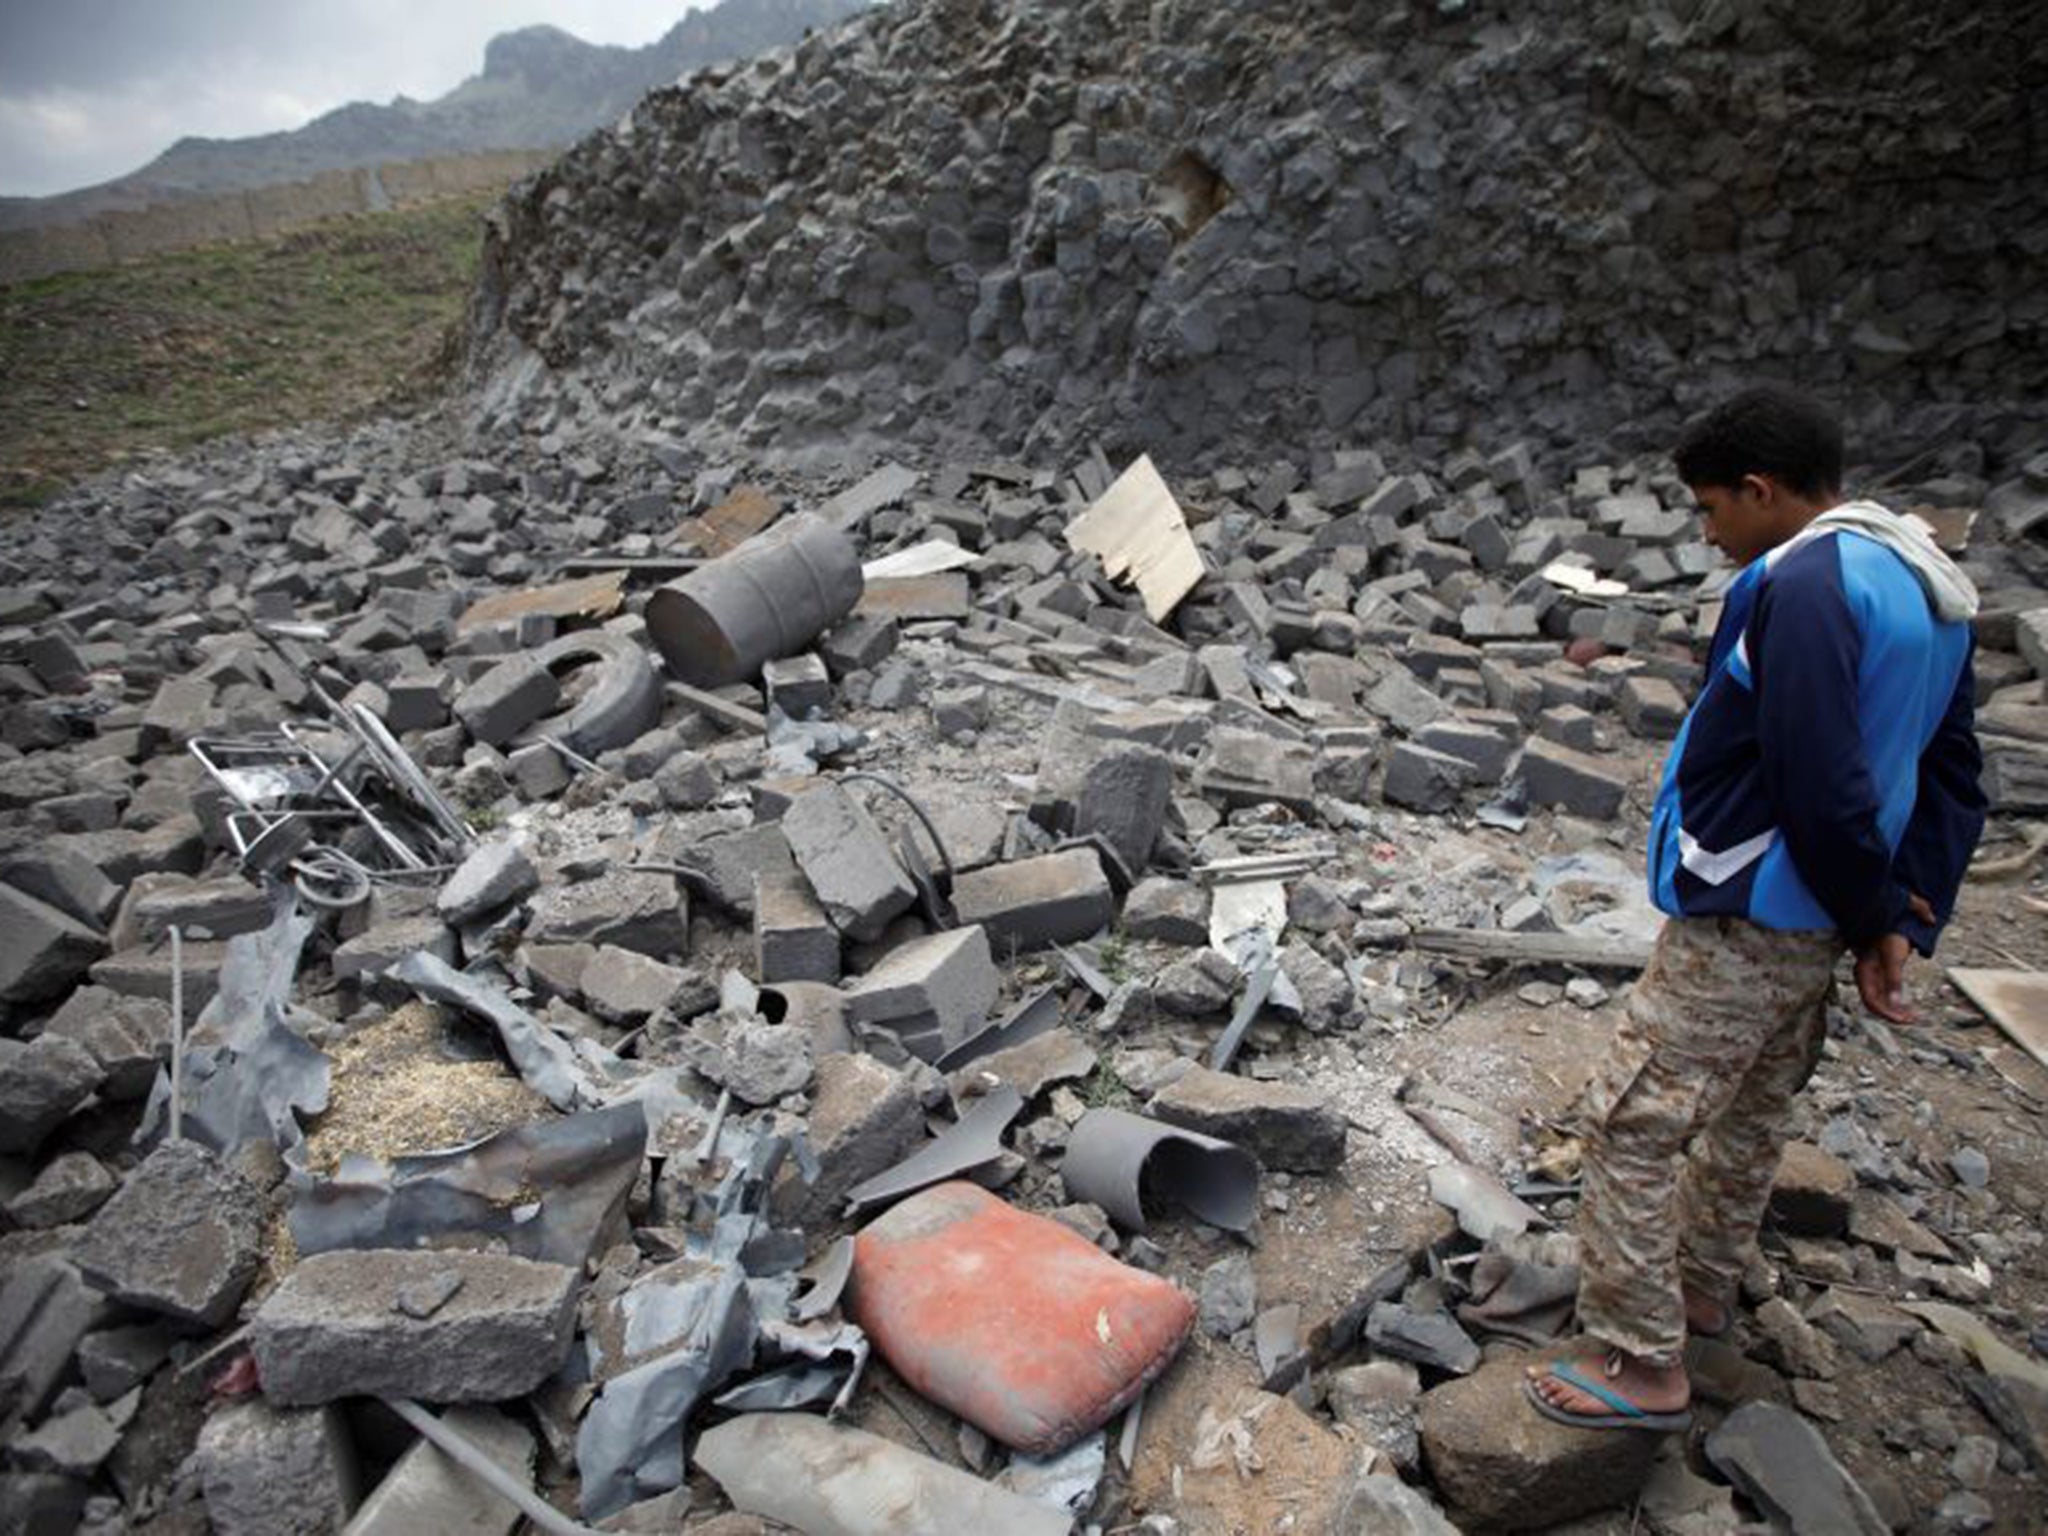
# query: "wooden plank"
[[589, 597], [1141, 536], [1595, 952], [727, 526], [2016, 1001], [724, 711], [907, 599]]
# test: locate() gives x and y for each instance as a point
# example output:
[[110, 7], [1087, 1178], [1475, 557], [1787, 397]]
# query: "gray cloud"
[[92, 89]]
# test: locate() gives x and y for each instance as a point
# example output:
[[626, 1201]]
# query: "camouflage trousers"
[[1687, 1118]]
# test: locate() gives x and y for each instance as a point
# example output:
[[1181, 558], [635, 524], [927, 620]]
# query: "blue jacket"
[[1829, 766]]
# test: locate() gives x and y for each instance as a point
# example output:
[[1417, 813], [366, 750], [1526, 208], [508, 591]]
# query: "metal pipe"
[[466, 1454], [177, 1033], [769, 598]]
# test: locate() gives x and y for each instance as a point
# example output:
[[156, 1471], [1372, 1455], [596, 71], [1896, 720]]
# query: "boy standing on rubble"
[[1821, 796]]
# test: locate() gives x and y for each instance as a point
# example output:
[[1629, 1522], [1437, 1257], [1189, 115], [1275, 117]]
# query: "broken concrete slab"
[[334, 1328], [1780, 1462], [43, 951], [847, 860], [1282, 1125], [1167, 911], [1030, 904], [1031, 1066], [494, 875], [507, 699], [865, 1117], [1245, 768], [46, 1308], [1571, 781], [930, 993], [1810, 1195], [267, 1471], [429, 1491], [183, 1236], [1499, 1464], [794, 940], [1421, 779], [68, 1188], [42, 1081], [623, 986], [637, 910]]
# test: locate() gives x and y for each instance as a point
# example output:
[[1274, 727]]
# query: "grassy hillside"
[[323, 323]]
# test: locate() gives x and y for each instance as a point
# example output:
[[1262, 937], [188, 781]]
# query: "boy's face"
[[1743, 520]]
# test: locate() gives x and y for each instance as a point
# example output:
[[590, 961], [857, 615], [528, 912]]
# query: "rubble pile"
[[1195, 229], [1107, 843]]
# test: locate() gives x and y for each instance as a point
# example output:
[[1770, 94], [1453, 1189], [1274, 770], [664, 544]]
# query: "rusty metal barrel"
[[771, 597]]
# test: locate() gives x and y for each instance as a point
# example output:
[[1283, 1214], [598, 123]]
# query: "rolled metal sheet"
[[771, 597], [1115, 1159]]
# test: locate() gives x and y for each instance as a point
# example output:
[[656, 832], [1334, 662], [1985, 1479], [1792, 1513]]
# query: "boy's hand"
[[1881, 978], [1881, 969]]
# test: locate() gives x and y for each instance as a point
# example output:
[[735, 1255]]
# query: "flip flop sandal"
[[1626, 1415]]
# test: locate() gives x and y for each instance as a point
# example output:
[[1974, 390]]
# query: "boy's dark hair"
[[1769, 430]]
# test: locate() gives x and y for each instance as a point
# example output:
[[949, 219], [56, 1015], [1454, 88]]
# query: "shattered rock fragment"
[[41, 1082], [1282, 1125], [495, 874], [847, 861], [269, 1471], [1030, 904], [183, 1236], [43, 951], [930, 993]]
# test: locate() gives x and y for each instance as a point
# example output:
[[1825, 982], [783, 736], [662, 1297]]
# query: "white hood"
[[1950, 593]]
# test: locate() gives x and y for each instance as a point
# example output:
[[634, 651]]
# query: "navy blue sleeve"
[[1948, 815], [1804, 647]]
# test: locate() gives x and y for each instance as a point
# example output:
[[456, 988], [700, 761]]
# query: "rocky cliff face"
[[1189, 226]]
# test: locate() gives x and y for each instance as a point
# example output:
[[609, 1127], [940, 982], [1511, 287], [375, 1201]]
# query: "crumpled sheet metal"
[[549, 1190], [630, 1444], [1115, 1157], [545, 1062], [1485, 1207], [248, 1072], [828, 1480], [976, 1138], [704, 1319], [1034, 1016]]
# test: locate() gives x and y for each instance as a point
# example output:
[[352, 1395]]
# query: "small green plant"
[[1115, 955], [484, 818], [1103, 1089]]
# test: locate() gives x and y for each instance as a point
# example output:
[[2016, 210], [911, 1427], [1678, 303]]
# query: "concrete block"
[[1651, 707], [507, 699], [793, 938], [182, 1236], [335, 1327], [930, 993], [41, 1082], [1282, 1125], [847, 860], [1571, 781], [799, 686], [494, 875], [45, 1310], [267, 1471], [43, 951], [1425, 780], [1057, 898], [865, 1117], [1167, 911], [382, 945], [638, 910], [1244, 768], [624, 987], [1568, 726], [428, 1491]]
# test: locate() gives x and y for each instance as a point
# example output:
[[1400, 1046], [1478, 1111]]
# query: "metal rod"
[[177, 1033], [470, 1458]]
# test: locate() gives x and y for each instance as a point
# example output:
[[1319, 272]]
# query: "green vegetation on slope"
[[323, 323]]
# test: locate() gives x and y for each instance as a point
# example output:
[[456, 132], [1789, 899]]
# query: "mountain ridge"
[[540, 88]]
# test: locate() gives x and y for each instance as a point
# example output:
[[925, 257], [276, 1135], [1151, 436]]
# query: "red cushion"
[[1022, 1327]]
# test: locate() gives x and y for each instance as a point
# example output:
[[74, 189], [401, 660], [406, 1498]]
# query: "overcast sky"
[[92, 89]]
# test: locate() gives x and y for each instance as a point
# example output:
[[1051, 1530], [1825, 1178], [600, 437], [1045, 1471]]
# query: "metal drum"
[[771, 597]]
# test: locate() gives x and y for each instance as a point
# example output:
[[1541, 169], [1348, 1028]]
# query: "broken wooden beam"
[[1593, 951]]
